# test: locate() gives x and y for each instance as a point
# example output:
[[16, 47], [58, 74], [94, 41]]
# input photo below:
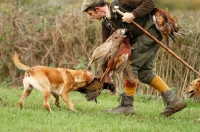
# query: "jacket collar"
[[112, 13]]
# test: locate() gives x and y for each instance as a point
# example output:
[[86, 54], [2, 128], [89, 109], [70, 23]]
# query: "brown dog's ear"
[[198, 82]]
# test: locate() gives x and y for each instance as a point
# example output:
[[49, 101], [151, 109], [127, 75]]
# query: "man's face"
[[95, 14]]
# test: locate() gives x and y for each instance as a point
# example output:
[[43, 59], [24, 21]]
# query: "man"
[[144, 52]]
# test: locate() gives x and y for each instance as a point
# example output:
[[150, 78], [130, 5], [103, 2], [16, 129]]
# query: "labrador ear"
[[198, 82]]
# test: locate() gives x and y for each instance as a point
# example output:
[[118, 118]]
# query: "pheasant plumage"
[[108, 49], [166, 25], [115, 52], [118, 63]]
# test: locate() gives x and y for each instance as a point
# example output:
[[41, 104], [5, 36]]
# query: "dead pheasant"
[[118, 62], [93, 90], [108, 49], [166, 25]]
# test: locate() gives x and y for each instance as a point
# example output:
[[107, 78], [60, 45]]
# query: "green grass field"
[[91, 117]]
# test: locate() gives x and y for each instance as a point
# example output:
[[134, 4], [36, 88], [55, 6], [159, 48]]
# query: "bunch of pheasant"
[[115, 52], [118, 65]]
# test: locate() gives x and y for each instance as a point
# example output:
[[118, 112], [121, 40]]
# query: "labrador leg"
[[25, 94], [57, 103], [65, 97], [46, 100]]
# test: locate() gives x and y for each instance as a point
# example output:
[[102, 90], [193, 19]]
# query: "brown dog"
[[55, 81], [194, 88]]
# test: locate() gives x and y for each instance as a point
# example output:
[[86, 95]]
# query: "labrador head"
[[194, 88]]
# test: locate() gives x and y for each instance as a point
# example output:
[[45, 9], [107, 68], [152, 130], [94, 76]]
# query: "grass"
[[91, 117]]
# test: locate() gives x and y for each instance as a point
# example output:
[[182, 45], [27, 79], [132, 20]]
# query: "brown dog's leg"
[[25, 94], [46, 100], [65, 97], [56, 100]]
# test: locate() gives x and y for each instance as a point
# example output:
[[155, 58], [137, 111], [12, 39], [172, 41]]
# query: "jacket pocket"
[[144, 42]]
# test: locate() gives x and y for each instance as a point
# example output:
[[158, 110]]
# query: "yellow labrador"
[[194, 88], [55, 81]]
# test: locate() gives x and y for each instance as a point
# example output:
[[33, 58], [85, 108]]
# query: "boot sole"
[[179, 108], [120, 112], [126, 113]]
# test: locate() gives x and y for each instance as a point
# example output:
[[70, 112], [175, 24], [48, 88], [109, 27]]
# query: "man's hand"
[[128, 17]]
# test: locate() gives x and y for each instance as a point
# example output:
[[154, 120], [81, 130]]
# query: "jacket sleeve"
[[140, 8]]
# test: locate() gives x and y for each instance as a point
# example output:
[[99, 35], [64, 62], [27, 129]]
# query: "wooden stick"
[[160, 43]]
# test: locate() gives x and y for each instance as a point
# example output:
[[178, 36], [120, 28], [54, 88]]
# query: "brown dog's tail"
[[18, 64]]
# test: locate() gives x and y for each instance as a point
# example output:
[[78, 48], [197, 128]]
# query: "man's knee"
[[146, 76]]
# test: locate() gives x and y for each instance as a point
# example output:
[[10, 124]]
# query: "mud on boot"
[[174, 104], [126, 105]]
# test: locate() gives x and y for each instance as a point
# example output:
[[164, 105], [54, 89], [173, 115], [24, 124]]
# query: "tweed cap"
[[88, 3]]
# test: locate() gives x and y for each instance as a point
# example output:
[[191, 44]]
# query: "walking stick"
[[160, 43]]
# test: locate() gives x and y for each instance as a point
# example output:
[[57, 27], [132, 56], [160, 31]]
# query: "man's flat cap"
[[88, 3]]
